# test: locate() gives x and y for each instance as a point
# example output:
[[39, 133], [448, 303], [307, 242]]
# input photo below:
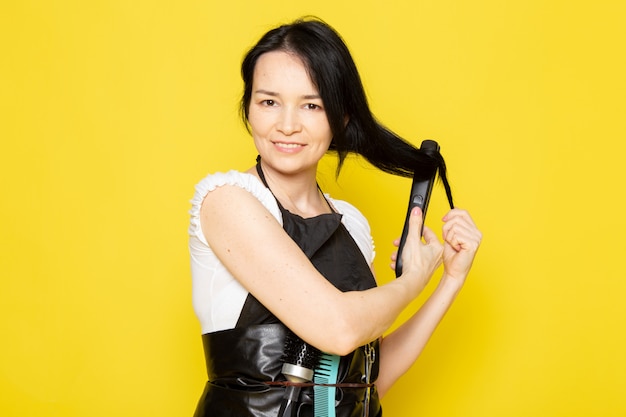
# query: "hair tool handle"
[[419, 197], [299, 362]]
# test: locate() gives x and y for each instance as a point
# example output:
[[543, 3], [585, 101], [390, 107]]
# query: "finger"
[[429, 236], [415, 221], [455, 226], [463, 238], [461, 219], [452, 239], [457, 213], [461, 225]]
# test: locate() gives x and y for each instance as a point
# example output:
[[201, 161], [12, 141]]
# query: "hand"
[[461, 241], [420, 258]]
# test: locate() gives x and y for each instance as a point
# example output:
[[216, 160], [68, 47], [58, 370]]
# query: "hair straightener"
[[419, 197]]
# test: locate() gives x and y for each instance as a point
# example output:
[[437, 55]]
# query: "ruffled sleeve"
[[246, 181]]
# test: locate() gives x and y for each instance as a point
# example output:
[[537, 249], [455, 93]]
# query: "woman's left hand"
[[461, 241]]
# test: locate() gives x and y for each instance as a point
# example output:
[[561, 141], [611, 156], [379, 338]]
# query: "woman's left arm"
[[401, 348]]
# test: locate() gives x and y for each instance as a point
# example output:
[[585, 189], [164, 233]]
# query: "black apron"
[[244, 361]]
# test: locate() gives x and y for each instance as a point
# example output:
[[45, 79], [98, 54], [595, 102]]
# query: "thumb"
[[416, 222]]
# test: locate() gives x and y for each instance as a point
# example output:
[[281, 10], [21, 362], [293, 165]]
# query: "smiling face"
[[286, 115]]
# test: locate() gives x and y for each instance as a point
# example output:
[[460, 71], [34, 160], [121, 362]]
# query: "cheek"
[[328, 133], [318, 124], [257, 124]]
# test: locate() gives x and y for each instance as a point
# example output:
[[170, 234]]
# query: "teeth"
[[288, 145]]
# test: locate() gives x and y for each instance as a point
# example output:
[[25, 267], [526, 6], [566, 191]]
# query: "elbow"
[[343, 325], [341, 348], [344, 337]]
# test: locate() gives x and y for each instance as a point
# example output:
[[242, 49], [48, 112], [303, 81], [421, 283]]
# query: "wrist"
[[450, 283], [412, 284]]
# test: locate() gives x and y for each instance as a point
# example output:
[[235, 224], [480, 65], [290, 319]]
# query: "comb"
[[324, 397]]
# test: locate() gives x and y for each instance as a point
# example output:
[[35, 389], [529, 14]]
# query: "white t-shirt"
[[218, 298]]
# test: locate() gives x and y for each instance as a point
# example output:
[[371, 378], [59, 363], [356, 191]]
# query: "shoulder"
[[243, 180], [357, 225], [349, 211]]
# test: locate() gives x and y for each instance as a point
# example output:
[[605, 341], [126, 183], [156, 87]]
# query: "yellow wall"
[[111, 110]]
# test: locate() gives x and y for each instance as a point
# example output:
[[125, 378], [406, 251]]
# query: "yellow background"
[[111, 111]]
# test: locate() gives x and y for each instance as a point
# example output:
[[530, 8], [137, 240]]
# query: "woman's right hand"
[[420, 257]]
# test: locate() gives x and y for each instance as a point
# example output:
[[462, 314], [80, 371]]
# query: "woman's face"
[[286, 115]]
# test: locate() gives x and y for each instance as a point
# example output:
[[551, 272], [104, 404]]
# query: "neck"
[[298, 193]]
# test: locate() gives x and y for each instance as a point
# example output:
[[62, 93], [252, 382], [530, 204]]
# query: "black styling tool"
[[419, 197], [299, 362]]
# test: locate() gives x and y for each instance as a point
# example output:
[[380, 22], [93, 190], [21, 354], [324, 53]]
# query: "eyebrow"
[[274, 94]]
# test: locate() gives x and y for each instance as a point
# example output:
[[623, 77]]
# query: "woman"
[[271, 254]]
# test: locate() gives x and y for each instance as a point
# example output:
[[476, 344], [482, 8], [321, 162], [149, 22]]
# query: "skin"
[[291, 133]]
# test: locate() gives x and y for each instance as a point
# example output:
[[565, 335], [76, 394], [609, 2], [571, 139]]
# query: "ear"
[[346, 120]]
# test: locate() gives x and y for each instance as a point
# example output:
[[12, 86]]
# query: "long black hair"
[[333, 71]]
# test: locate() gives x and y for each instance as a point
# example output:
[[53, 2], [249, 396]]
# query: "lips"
[[288, 145]]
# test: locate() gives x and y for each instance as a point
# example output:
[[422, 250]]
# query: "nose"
[[289, 121]]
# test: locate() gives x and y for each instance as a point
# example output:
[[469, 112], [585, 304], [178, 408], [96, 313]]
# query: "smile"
[[288, 145]]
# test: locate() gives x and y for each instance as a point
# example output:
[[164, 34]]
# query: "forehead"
[[280, 69]]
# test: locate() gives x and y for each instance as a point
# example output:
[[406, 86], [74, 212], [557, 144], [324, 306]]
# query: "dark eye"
[[311, 106], [268, 102]]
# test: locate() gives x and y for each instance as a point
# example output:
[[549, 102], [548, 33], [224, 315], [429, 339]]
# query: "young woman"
[[273, 256]]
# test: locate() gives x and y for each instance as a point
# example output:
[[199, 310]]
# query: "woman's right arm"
[[256, 250]]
